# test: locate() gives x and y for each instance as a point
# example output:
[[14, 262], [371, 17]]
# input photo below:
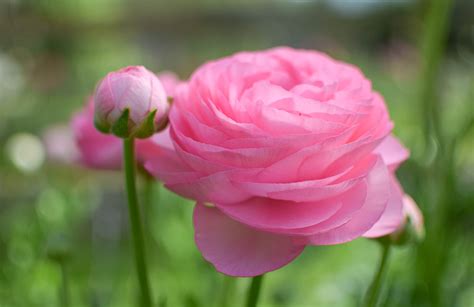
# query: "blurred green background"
[[60, 222]]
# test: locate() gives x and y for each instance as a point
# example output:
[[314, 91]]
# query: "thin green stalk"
[[373, 293], [227, 292], [135, 221], [64, 293], [438, 175], [254, 291]]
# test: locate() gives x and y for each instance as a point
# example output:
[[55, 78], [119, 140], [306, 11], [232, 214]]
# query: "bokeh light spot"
[[26, 152]]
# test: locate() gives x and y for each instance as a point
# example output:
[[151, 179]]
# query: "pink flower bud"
[[412, 228], [131, 102], [413, 217], [104, 151]]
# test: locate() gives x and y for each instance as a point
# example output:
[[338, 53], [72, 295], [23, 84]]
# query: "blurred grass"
[[53, 52]]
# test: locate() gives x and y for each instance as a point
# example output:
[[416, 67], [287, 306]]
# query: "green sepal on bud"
[[405, 236], [101, 125], [408, 235], [125, 128], [147, 128], [131, 103], [121, 127], [411, 230]]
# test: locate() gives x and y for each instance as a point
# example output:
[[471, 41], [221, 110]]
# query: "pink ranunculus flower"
[[281, 149], [132, 89], [104, 151]]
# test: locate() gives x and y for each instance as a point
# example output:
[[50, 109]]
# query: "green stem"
[[227, 293], [64, 294], [135, 221], [374, 290], [254, 291]]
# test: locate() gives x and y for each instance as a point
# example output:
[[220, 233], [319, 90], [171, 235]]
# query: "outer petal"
[[274, 215], [308, 217], [393, 214], [378, 183], [318, 161], [215, 188], [97, 150], [242, 157], [304, 191], [161, 161], [237, 250], [393, 152], [155, 147]]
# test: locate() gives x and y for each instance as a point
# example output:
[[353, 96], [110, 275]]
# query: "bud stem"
[[254, 291], [373, 293], [136, 226]]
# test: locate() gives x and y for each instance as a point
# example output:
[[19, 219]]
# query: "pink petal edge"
[[237, 250]]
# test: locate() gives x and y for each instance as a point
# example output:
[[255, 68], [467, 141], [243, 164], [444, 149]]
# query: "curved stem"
[[374, 291], [254, 291], [136, 226]]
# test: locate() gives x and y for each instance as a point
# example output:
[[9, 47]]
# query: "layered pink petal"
[[351, 204], [158, 145], [215, 188], [238, 250], [378, 184], [270, 214], [303, 191], [392, 217], [317, 216], [318, 161], [97, 150], [392, 151]]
